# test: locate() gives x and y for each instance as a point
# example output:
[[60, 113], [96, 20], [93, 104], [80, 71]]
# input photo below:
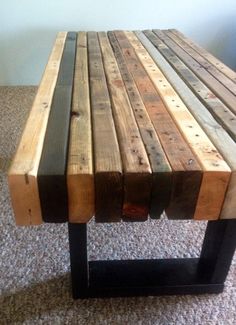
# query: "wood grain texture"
[[136, 167], [215, 168], [220, 91], [161, 170], [207, 55], [186, 171], [80, 179], [220, 111], [22, 175], [223, 79], [52, 167], [107, 159], [213, 129]]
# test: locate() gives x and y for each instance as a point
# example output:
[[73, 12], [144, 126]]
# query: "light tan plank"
[[216, 171], [80, 179], [137, 170], [208, 56], [22, 176]]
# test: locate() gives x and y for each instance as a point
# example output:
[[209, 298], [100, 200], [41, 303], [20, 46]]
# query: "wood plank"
[[223, 79], [22, 175], [80, 179], [52, 167], [216, 171], [161, 170], [220, 111], [214, 130], [136, 167], [186, 170], [208, 56], [107, 160], [220, 91]]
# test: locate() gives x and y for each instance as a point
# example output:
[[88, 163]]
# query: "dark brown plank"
[[219, 90], [107, 160], [161, 170], [52, 168], [187, 173]]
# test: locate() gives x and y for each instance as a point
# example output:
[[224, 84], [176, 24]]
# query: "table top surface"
[[126, 125]]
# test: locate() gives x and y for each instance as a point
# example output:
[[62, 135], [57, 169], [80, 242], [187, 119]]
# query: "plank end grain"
[[53, 195], [184, 195], [25, 199], [108, 196], [137, 193], [161, 193], [80, 197], [229, 206], [212, 195]]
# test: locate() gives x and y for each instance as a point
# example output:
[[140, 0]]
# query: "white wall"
[[28, 27]]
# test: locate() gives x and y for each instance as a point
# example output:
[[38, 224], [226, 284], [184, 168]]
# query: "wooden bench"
[[126, 125]]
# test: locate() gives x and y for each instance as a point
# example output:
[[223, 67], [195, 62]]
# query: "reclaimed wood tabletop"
[[127, 125]]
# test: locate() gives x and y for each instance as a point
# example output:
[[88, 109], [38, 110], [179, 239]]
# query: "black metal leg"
[[79, 260], [218, 250], [154, 277]]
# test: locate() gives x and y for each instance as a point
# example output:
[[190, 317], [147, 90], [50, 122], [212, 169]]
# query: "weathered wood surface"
[[52, 168], [186, 170], [216, 172], [207, 55], [126, 125], [220, 91], [107, 159], [80, 179], [214, 130], [226, 82], [220, 111], [22, 175], [136, 167], [161, 170]]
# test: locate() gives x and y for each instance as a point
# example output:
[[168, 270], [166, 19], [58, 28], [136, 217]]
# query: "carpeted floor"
[[34, 262]]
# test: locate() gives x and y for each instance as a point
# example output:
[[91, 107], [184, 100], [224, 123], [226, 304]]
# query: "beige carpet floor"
[[34, 261]]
